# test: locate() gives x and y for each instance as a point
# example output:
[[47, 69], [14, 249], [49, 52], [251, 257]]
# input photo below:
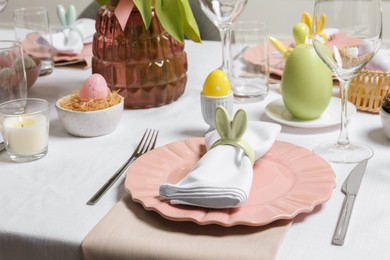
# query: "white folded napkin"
[[329, 32], [381, 61], [222, 178], [71, 40]]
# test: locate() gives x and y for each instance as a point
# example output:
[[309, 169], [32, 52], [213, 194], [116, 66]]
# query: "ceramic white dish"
[[385, 118], [210, 104], [288, 180], [90, 124], [331, 116]]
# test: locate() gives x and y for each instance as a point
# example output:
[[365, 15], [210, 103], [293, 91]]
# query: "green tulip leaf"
[[175, 16], [145, 8], [102, 2], [190, 26], [170, 16]]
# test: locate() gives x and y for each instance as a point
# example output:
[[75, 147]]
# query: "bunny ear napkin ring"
[[232, 131]]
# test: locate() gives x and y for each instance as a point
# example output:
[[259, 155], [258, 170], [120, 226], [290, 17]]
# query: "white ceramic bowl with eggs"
[[91, 123]]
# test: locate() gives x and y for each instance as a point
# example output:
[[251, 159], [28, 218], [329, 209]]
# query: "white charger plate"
[[331, 116]]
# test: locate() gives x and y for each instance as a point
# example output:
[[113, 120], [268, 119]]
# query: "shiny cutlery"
[[350, 188], [147, 143]]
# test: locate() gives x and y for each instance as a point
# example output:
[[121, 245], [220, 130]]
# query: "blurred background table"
[[280, 15], [43, 203]]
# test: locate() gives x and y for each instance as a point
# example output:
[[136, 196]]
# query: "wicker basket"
[[368, 89]]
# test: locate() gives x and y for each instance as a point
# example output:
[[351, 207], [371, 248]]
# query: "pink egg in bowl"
[[86, 122], [91, 123], [95, 87]]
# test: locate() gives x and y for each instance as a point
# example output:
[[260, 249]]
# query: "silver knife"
[[2, 146], [350, 188]]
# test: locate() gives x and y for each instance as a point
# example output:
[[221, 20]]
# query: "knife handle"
[[342, 224]]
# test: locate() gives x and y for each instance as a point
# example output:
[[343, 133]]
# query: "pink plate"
[[288, 180]]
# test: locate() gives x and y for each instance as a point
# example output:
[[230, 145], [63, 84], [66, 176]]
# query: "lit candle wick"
[[21, 122]]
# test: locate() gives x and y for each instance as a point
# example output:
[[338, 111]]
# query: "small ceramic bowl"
[[90, 124], [385, 117], [209, 104], [33, 73]]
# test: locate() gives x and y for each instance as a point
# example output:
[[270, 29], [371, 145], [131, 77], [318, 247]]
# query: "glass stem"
[[225, 39], [343, 139]]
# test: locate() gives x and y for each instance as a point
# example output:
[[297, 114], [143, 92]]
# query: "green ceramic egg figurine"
[[306, 83]]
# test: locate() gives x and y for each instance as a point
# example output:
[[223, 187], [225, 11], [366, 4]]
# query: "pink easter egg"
[[5, 61], [95, 87]]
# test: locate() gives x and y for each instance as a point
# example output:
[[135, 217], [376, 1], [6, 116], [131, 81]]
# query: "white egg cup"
[[209, 105]]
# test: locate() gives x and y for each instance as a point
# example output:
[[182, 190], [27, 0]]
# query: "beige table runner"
[[128, 231]]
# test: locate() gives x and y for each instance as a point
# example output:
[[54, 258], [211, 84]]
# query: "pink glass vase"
[[147, 67]]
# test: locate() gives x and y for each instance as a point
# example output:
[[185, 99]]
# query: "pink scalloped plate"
[[288, 180]]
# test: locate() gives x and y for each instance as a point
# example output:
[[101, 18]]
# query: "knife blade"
[[350, 188], [2, 146]]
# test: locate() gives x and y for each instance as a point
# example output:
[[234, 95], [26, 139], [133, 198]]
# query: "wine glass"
[[3, 5], [223, 13], [359, 25]]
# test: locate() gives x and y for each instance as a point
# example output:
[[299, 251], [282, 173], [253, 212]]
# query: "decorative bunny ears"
[[302, 31], [319, 24], [232, 131], [66, 17]]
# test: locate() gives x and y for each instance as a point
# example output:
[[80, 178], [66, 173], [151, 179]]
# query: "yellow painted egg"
[[217, 84]]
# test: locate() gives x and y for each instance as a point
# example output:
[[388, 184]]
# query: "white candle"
[[27, 134]]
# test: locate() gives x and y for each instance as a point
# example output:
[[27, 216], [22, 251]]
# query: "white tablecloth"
[[43, 211]]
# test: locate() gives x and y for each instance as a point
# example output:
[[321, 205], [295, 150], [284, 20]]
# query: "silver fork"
[[147, 143]]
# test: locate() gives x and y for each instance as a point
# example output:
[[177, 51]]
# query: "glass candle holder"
[[24, 125]]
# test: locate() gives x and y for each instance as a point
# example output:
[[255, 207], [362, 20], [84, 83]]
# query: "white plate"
[[331, 116]]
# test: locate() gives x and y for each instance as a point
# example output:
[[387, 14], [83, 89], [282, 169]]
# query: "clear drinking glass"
[[13, 83], [32, 29], [3, 5], [223, 13], [359, 25], [250, 82]]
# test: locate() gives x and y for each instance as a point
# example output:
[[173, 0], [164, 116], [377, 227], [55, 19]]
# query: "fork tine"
[[152, 141], [149, 142], [155, 140], [146, 143], [140, 144]]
